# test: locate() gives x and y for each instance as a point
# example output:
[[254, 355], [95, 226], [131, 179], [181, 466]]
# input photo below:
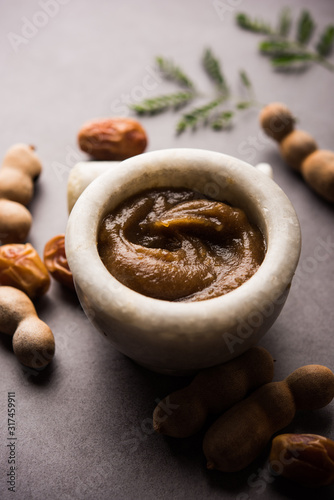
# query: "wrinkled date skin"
[[56, 262], [112, 138], [22, 268], [305, 458]]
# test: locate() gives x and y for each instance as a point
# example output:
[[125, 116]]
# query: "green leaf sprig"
[[163, 102], [326, 40], [197, 115], [211, 113], [288, 53], [255, 25], [175, 100], [172, 72], [212, 67], [284, 22], [305, 27]]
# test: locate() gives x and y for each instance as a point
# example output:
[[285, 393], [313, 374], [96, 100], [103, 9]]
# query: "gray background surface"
[[84, 424]]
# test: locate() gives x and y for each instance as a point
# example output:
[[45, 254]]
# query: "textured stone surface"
[[171, 337], [84, 424]]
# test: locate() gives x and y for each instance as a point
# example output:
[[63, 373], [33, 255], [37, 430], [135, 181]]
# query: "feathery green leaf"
[[213, 69], [280, 47], [325, 43], [288, 53], [160, 103], [244, 104], [211, 112], [289, 61], [285, 21], [255, 25], [305, 27], [197, 115], [172, 72], [245, 79], [223, 120]]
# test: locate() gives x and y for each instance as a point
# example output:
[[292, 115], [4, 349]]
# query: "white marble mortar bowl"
[[178, 337]]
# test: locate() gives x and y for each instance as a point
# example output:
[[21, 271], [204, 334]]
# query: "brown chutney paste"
[[177, 245]]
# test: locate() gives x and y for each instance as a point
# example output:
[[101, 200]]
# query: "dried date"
[[22, 268]]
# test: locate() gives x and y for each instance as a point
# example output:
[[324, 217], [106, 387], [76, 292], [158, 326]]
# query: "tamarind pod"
[[212, 391], [20, 167], [23, 157], [318, 172], [238, 436], [296, 146], [33, 340], [277, 120], [16, 186], [15, 222]]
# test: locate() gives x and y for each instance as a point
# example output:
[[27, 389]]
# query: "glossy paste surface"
[[177, 245]]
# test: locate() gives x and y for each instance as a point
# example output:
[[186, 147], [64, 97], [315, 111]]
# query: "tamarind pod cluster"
[[20, 168], [33, 340], [240, 434], [212, 391], [300, 150]]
